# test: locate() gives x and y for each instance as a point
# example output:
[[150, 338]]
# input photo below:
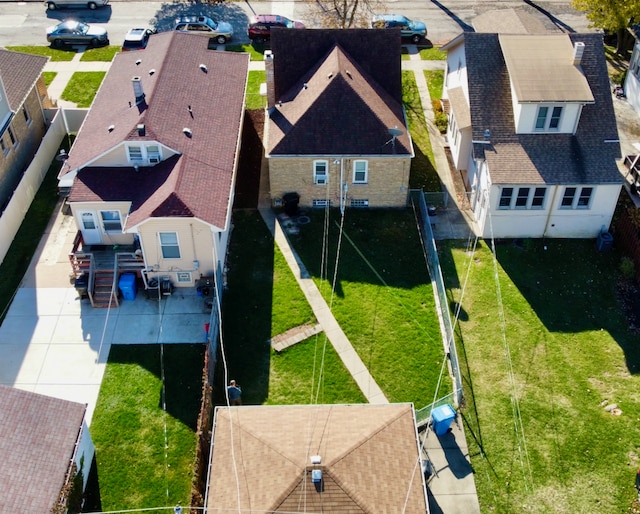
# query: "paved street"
[[24, 23]]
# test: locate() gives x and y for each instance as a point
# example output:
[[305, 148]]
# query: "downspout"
[[553, 202]]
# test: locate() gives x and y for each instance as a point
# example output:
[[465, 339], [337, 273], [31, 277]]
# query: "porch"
[[96, 270]]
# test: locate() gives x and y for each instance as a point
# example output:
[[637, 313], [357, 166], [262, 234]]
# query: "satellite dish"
[[395, 132], [62, 156]]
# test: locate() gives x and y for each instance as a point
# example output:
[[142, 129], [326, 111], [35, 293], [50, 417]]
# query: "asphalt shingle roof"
[[186, 85], [369, 456], [37, 440], [583, 158], [19, 73]]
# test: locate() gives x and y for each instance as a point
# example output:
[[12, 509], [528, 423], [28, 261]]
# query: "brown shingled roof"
[[37, 440], [369, 453], [19, 73], [186, 85]]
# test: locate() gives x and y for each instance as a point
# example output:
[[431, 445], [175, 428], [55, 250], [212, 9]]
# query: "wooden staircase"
[[104, 292]]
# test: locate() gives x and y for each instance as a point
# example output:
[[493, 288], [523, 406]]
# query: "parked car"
[[73, 32], [220, 31], [261, 24], [89, 4], [415, 30], [137, 39]]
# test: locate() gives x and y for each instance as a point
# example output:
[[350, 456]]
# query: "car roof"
[[70, 24], [194, 19], [390, 17], [269, 18], [135, 34]]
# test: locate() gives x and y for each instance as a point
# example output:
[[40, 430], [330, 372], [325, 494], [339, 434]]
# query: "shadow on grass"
[[247, 310], [183, 365]]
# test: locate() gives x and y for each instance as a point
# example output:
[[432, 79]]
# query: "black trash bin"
[[81, 284], [291, 201]]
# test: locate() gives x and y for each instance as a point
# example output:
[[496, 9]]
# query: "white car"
[[220, 31]]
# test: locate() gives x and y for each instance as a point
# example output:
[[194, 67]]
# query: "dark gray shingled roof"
[[583, 158]]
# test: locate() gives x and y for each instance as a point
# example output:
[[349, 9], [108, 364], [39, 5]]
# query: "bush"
[[627, 268], [440, 116]]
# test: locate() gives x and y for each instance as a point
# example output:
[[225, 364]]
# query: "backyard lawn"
[[145, 454], [537, 386]]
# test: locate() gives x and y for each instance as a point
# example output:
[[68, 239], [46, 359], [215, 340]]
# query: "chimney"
[[578, 50], [271, 90], [137, 89]]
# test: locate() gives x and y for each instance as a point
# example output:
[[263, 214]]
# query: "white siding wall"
[[456, 71], [85, 453], [560, 223], [107, 238], [528, 112]]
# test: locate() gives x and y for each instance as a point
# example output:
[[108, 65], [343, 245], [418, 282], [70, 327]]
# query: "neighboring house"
[[532, 130], [336, 132], [23, 96], [632, 78], [346, 459], [155, 160], [41, 439]]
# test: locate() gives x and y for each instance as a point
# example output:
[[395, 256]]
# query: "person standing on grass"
[[235, 393]]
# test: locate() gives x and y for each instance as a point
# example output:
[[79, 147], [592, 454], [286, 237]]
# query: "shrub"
[[440, 116], [627, 268]]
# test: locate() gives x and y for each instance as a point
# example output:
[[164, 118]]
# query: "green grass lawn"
[[423, 173], [254, 100], [256, 52], [102, 54], [383, 297], [128, 427], [570, 351], [48, 77], [435, 81], [55, 54], [263, 300], [82, 87], [426, 54]]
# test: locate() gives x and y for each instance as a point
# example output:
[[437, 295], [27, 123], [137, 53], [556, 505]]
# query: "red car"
[[260, 26]]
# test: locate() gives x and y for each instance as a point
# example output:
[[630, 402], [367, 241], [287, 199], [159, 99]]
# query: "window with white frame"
[[360, 172], [506, 194], [359, 202], [111, 221], [317, 202], [169, 245], [153, 154], [320, 170], [27, 116], [135, 153], [576, 198], [548, 118], [3, 146], [522, 198]]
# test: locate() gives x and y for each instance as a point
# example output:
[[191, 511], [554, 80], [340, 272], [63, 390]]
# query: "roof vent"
[[578, 50], [141, 129], [305, 85], [348, 74], [187, 132], [204, 68], [316, 476], [137, 89], [190, 110], [111, 128], [138, 62], [152, 71], [316, 459], [330, 75]]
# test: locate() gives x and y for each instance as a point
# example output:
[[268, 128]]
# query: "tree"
[[344, 14], [614, 16]]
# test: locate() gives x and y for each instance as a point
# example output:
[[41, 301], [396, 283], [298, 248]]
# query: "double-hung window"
[[27, 116], [548, 118], [153, 154], [360, 172], [169, 245], [537, 202], [12, 136], [3, 145], [522, 198], [320, 169], [505, 198], [111, 221]]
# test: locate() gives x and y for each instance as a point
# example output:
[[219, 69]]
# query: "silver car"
[[73, 32], [220, 31], [89, 4]]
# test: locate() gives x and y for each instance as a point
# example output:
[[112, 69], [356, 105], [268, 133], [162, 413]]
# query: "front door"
[[89, 228]]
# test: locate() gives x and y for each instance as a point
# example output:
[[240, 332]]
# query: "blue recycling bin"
[[442, 418], [127, 285]]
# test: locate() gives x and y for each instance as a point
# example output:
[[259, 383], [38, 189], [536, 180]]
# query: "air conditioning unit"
[[321, 181], [154, 160]]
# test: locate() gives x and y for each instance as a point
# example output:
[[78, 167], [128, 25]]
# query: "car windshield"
[[74, 25], [289, 24], [211, 24]]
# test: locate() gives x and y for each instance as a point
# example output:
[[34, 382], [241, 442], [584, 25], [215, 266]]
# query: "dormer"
[[548, 86]]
